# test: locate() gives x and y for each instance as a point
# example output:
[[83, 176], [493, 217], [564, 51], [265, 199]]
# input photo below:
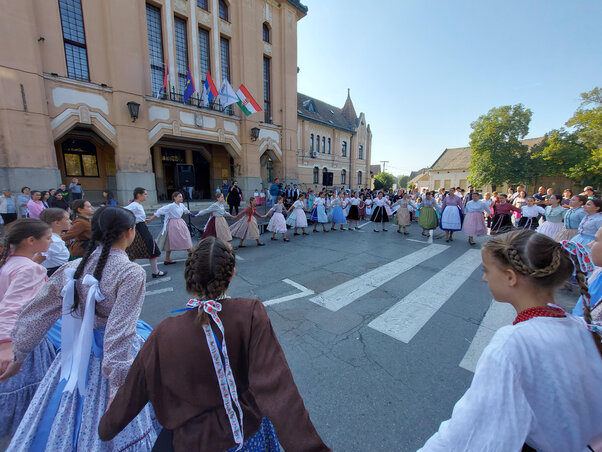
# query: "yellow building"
[[81, 95]]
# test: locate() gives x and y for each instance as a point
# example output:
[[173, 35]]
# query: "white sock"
[[154, 266]]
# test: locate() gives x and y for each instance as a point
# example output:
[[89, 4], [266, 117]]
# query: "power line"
[[384, 162]]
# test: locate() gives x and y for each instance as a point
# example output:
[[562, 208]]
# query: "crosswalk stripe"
[[159, 291], [497, 316], [346, 293], [160, 281], [411, 313]]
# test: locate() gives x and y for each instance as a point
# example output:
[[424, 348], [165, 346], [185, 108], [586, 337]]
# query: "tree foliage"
[[403, 181], [384, 181], [497, 154]]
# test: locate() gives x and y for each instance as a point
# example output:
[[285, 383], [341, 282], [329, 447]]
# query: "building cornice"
[[79, 83], [300, 6]]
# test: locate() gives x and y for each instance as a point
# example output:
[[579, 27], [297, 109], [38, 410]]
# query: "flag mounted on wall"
[[247, 104], [189, 87], [165, 78], [210, 92]]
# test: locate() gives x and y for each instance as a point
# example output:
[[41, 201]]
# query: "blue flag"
[[189, 87]]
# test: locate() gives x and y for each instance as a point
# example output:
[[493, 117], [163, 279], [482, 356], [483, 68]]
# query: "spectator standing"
[[589, 192], [35, 205], [8, 206], [22, 201], [109, 198], [274, 191], [76, 189], [45, 199], [59, 202], [225, 187], [234, 197], [540, 196], [78, 237]]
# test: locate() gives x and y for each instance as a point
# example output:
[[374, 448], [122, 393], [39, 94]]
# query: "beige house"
[[451, 169], [95, 90]]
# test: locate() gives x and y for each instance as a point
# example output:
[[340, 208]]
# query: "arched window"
[[343, 177], [223, 10], [316, 175], [318, 143], [266, 32], [359, 178], [311, 142], [329, 146], [324, 145]]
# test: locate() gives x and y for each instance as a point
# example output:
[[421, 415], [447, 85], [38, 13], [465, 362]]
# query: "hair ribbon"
[[582, 253]]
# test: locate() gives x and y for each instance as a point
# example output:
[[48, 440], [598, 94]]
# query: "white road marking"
[[346, 293], [158, 291], [240, 258], [419, 241], [366, 223], [159, 281], [497, 316], [410, 314], [304, 293]]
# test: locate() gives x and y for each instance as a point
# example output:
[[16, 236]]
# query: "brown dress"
[[78, 237], [174, 370]]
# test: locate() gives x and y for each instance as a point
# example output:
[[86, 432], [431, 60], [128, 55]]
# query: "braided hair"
[[108, 224], [209, 269], [542, 260], [19, 230]]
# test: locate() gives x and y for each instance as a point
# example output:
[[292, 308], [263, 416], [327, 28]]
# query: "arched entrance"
[[81, 153], [270, 165]]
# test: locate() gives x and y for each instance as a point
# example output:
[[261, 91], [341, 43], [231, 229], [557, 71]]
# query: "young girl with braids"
[[524, 389], [58, 253], [20, 280], [298, 219], [98, 299], [211, 368], [277, 223]]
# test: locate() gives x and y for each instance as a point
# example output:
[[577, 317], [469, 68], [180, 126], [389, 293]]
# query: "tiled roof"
[[459, 158], [318, 111]]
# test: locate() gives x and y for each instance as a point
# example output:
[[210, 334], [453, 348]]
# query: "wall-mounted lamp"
[[134, 108], [254, 133]]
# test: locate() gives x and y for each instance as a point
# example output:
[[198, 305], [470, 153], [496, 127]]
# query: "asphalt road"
[[382, 331]]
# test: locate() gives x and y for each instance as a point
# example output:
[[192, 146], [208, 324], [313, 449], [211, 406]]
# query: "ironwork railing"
[[196, 101]]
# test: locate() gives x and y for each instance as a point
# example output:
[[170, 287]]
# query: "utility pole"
[[384, 162]]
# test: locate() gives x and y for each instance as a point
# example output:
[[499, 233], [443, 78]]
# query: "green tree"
[[384, 181], [403, 181], [497, 153]]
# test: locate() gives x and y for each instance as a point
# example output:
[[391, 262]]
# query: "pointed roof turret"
[[348, 110]]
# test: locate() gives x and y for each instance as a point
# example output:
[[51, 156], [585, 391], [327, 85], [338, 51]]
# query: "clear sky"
[[423, 70]]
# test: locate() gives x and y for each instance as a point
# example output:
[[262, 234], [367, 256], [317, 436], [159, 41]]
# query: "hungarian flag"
[[164, 87], [247, 104]]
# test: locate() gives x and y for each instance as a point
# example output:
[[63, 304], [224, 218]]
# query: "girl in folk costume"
[[353, 217], [474, 222], [318, 214], [277, 224], [502, 219], [175, 234], [388, 206], [530, 215], [347, 204], [216, 375], [246, 227], [338, 215], [451, 215], [217, 226], [99, 298], [310, 199], [572, 218], [20, 280], [519, 201], [591, 223], [403, 213], [368, 205], [78, 236], [298, 219], [379, 213], [143, 246], [546, 351], [362, 208], [35, 205], [427, 214], [554, 215], [594, 282], [487, 199], [58, 253]]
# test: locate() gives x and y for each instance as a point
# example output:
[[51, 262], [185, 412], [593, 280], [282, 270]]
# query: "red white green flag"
[[247, 104]]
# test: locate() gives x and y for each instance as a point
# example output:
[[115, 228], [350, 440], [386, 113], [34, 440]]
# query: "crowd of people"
[[80, 370]]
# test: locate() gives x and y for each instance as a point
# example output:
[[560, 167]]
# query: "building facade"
[[96, 90]]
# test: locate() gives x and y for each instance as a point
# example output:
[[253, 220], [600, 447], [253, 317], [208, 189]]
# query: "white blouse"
[[170, 211], [532, 211], [216, 210], [137, 210], [537, 382]]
